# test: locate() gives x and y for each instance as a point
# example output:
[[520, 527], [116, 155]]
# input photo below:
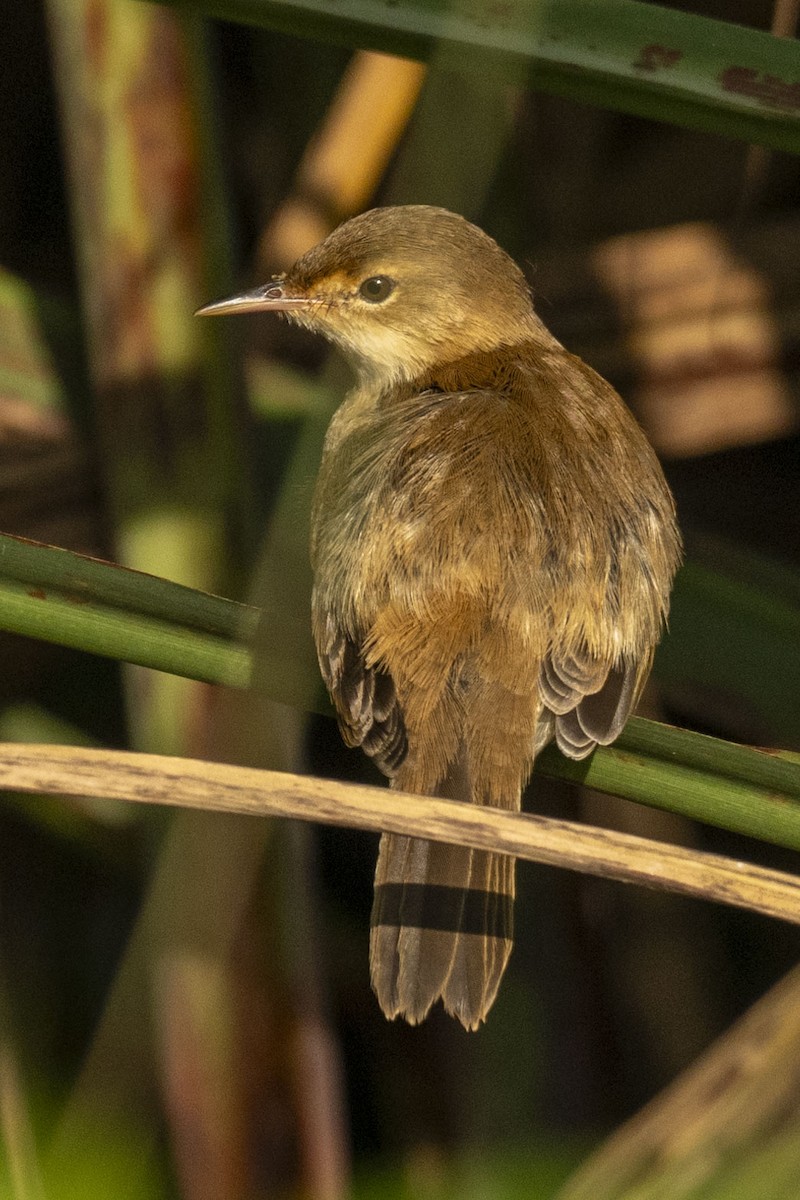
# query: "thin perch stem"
[[154, 779]]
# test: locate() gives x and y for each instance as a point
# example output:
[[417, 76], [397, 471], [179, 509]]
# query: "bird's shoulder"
[[512, 369], [527, 399]]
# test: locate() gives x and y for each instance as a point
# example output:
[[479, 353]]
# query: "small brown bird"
[[493, 545]]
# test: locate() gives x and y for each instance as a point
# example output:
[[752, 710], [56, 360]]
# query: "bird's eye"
[[376, 289]]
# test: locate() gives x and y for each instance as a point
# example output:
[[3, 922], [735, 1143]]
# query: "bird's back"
[[526, 496]]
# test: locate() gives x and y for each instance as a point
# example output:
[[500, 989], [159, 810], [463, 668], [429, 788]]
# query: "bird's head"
[[401, 290]]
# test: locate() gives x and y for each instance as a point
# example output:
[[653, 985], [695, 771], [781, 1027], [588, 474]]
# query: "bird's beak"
[[270, 297]]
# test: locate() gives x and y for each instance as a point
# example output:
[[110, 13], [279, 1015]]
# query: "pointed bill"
[[270, 297]]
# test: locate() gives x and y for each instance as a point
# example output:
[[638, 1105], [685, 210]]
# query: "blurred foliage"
[[185, 1006]]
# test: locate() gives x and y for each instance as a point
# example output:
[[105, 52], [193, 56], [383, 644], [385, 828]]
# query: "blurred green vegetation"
[[184, 1007]]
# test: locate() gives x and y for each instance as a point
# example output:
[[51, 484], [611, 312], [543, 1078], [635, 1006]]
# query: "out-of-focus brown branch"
[[743, 1093], [702, 337], [347, 157]]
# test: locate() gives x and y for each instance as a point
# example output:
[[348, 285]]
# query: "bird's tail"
[[442, 926]]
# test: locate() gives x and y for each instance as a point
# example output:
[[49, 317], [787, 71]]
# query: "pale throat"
[[388, 355]]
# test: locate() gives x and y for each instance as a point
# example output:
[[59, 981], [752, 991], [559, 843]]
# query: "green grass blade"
[[65, 620], [720, 799], [620, 54], [710, 754], [104, 583]]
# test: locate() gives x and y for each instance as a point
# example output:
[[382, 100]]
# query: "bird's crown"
[[402, 288]]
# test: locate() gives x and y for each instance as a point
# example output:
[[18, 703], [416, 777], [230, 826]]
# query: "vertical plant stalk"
[[122, 74], [130, 78], [16, 1135], [201, 1071], [194, 907]]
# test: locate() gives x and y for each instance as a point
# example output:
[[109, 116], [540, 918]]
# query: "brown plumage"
[[493, 545]]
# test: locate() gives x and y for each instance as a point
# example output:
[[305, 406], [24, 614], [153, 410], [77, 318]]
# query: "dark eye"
[[376, 289]]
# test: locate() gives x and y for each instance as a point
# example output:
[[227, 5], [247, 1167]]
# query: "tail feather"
[[441, 928], [442, 919], [480, 959]]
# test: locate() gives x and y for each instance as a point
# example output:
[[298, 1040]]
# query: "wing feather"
[[590, 700], [365, 700]]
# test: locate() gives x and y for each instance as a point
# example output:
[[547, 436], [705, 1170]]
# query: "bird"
[[493, 544]]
